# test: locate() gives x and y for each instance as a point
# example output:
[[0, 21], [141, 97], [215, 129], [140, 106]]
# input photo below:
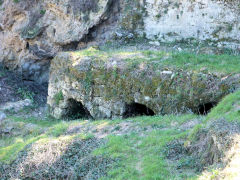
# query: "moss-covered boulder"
[[122, 83]]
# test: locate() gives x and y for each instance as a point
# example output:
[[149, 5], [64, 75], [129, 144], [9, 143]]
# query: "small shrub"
[[43, 11], [25, 94], [58, 97]]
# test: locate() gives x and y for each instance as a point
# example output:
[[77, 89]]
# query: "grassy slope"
[[143, 155], [142, 151], [229, 108]]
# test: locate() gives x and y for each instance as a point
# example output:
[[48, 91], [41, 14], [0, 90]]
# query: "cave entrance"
[[136, 109], [76, 110], [204, 109]]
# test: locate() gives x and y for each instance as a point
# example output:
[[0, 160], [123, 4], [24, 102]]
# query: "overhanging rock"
[[121, 84]]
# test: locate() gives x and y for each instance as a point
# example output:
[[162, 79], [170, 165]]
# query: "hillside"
[[34, 145], [160, 147], [119, 89]]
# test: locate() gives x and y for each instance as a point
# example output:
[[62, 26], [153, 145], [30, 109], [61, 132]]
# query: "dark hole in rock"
[[204, 109], [27, 45], [136, 109], [77, 111], [72, 46]]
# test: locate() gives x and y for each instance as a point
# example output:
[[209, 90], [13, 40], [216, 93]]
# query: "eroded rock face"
[[32, 32], [123, 84], [212, 20]]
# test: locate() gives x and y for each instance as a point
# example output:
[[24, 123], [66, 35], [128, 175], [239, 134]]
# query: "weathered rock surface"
[[213, 141], [122, 84], [32, 32], [2, 116], [211, 20], [16, 106]]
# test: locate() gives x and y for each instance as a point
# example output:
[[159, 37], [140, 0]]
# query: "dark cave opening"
[[72, 46], [27, 45], [136, 109], [76, 110], [204, 109]]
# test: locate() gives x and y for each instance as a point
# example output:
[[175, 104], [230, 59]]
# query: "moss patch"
[[58, 97]]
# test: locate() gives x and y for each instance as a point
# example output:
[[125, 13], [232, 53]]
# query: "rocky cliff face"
[[122, 84], [216, 21], [32, 32]]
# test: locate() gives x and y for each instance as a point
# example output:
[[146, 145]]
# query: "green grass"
[[9, 153], [164, 121], [10, 147], [139, 154], [184, 60], [212, 63], [193, 134], [25, 94], [47, 122], [42, 130], [47, 128], [228, 108], [142, 157], [58, 129]]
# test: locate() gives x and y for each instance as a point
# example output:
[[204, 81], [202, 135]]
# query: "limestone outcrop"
[[32, 32], [216, 21], [120, 84]]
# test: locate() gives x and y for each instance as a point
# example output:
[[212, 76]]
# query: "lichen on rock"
[[106, 83]]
